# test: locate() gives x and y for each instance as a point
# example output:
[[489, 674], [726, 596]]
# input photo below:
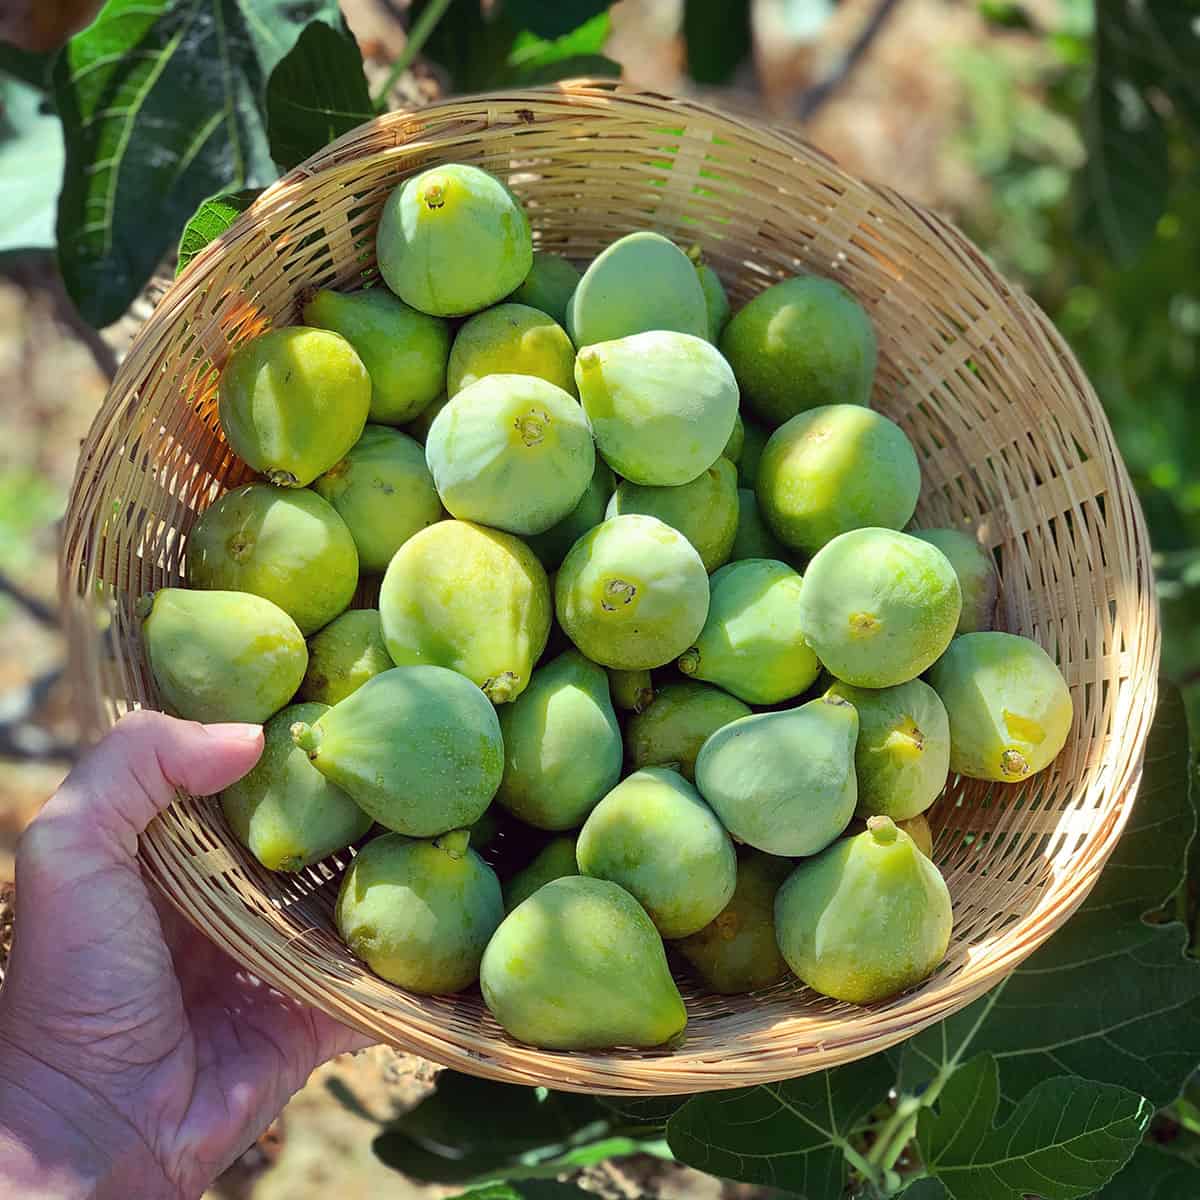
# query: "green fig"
[[1009, 706], [751, 644], [656, 837], [452, 240], [753, 539], [833, 469], [293, 401], [632, 593], [419, 748], [866, 919], [737, 441], [705, 510], [632, 691], [511, 339], [344, 655], [286, 545], [221, 656], [879, 607], [384, 492], [977, 576], [513, 451], [562, 745], [736, 951], [800, 344], [662, 405], [404, 351], [552, 545], [418, 427], [285, 812], [549, 286], [902, 755], [579, 966], [784, 782], [642, 282], [473, 599], [754, 442], [681, 718], [716, 303], [554, 861], [418, 913]]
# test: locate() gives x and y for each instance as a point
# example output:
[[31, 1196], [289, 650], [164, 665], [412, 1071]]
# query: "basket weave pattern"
[[1011, 441]]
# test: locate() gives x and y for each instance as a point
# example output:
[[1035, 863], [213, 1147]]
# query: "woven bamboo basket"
[[1012, 443]]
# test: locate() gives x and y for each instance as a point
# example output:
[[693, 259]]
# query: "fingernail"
[[234, 731]]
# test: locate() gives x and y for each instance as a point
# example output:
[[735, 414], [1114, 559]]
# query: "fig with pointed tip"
[[549, 286], [800, 344], [902, 756], [285, 812], [754, 442], [737, 440], [833, 469], [1010, 708], [632, 691], [562, 745], [662, 405], [221, 656], [737, 951], [879, 607], [681, 719], [453, 240], [753, 539], [293, 401], [704, 510], [384, 492], [977, 576], [641, 282], [751, 644], [344, 655], [511, 339], [632, 593], [420, 913], [513, 451], [555, 860], [784, 782], [551, 545], [419, 748], [579, 966], [656, 837], [286, 545], [403, 350], [716, 303], [469, 598], [866, 919]]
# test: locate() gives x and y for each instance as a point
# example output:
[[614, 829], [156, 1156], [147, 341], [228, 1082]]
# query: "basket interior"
[[1011, 442]]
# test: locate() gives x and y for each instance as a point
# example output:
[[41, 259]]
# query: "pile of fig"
[[655, 675]]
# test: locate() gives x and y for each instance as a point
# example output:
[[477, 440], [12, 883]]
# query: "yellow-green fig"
[[679, 719], [511, 339], [751, 644], [632, 593], [286, 545], [784, 782], [293, 401], [285, 812], [221, 656], [469, 598], [656, 837], [879, 607], [554, 861], [867, 918], [1009, 706], [344, 655], [580, 966], [977, 576], [419, 748], [916, 827], [420, 913], [405, 351], [549, 286], [452, 240]]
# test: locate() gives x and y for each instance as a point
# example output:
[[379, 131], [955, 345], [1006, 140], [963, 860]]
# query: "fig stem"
[[282, 479], [689, 661], [882, 829], [307, 737], [454, 843]]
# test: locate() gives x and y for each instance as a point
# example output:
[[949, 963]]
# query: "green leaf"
[[925, 1189], [316, 93], [31, 163], [791, 1135], [534, 1189], [553, 20], [1152, 1175], [1109, 997], [211, 220], [1067, 1138], [717, 34], [161, 103]]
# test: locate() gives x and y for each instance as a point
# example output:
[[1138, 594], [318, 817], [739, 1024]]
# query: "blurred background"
[[1061, 135]]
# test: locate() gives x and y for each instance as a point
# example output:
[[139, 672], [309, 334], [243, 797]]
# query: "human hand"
[[136, 1058]]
